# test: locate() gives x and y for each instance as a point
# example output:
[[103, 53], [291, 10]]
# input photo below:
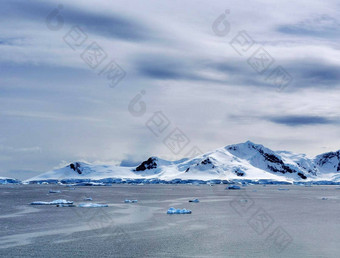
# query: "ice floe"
[[92, 205], [130, 201], [194, 200], [233, 187], [55, 202], [178, 211], [54, 191]]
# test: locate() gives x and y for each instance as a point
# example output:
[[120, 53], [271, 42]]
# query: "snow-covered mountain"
[[6, 180], [244, 161], [328, 162]]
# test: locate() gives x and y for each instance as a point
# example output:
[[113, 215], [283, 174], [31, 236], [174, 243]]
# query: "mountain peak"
[[249, 143], [148, 164], [245, 145]]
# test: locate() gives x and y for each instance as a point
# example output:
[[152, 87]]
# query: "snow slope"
[[244, 161]]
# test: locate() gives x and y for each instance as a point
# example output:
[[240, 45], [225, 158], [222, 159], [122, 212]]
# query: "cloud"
[[18, 41], [165, 68], [175, 68], [8, 149], [109, 24], [323, 26], [129, 163], [306, 73], [312, 73], [20, 174], [302, 120]]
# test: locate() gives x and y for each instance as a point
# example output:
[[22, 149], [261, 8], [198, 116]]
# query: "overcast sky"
[[207, 68]]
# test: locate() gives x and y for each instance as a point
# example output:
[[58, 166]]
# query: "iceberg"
[[233, 187], [178, 211], [88, 199], [92, 205], [194, 200], [131, 201], [55, 202]]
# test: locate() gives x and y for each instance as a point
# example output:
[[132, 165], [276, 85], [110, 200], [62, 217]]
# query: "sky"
[[118, 81]]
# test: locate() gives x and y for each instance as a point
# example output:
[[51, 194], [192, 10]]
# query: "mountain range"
[[245, 161]]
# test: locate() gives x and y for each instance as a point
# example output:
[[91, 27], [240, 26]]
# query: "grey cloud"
[[305, 73], [301, 120], [112, 26], [12, 41], [314, 73], [323, 26], [169, 68]]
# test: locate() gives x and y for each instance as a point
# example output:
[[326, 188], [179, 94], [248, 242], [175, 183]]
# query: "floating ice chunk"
[[194, 200], [61, 201], [243, 200], [40, 203], [233, 187], [283, 189], [130, 201], [54, 191], [88, 199], [55, 202], [92, 205], [324, 198], [66, 205], [178, 211]]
